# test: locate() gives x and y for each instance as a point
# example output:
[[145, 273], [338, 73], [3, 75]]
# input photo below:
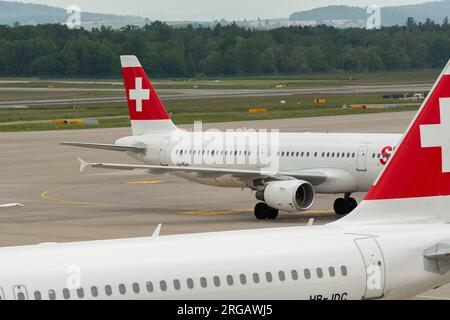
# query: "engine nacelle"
[[288, 195]]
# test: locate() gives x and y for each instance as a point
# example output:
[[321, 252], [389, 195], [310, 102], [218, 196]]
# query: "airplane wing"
[[111, 147], [314, 177]]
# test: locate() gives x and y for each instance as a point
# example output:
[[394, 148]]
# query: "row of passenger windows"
[[279, 153], [203, 282]]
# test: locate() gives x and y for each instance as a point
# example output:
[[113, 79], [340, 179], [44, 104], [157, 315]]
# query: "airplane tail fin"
[[147, 112], [415, 184]]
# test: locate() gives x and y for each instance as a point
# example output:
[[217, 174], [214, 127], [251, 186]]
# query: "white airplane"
[[396, 244], [285, 169]]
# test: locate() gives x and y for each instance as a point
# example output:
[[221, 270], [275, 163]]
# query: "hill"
[[27, 13], [393, 15]]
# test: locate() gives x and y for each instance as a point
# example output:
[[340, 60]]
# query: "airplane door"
[[164, 152], [361, 160], [20, 292], [374, 264], [263, 156]]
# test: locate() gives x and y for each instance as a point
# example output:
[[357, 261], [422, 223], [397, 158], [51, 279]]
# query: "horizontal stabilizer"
[[111, 147]]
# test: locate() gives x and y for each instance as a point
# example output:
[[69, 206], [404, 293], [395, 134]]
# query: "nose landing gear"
[[263, 211], [344, 206]]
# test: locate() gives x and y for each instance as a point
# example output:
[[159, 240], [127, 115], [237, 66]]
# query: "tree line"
[[53, 50]]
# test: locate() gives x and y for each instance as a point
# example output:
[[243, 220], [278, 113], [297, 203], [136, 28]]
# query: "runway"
[[189, 94], [61, 204]]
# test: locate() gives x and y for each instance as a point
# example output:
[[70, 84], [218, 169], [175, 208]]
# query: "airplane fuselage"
[[332, 262], [353, 161]]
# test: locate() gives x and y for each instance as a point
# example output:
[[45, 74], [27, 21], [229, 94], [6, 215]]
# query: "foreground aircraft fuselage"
[[285, 169], [334, 263]]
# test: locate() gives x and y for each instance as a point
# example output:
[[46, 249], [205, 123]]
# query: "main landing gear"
[[263, 211], [343, 206]]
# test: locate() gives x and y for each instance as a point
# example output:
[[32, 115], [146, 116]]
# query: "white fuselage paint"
[[354, 172], [164, 267]]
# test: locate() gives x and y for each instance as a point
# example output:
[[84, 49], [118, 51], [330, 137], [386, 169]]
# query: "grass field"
[[188, 111]]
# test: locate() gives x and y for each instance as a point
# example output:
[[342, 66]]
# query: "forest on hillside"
[[53, 50]]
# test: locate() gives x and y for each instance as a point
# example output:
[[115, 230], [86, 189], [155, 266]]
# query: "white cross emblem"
[[438, 135], [138, 94]]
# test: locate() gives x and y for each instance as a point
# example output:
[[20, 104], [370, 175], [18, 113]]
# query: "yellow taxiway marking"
[[45, 196], [319, 212], [210, 212], [203, 212], [145, 182]]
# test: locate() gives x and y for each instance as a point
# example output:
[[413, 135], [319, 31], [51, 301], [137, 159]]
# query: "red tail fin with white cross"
[[416, 181], [147, 113]]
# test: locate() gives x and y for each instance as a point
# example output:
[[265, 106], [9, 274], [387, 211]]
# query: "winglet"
[[157, 231], [83, 164]]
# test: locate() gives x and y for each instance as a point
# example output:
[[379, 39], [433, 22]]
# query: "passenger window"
[[328, 154], [216, 281], [136, 288], [176, 284], [331, 271], [297, 154], [353, 155], [66, 293], [256, 278], [94, 292], [319, 272], [373, 155], [108, 290], [243, 279], [80, 293], [190, 283], [203, 282], [230, 280], [282, 154], [52, 294], [302, 154], [332, 155], [315, 154], [37, 295], [307, 274], [122, 289], [307, 154], [344, 270], [294, 274], [281, 275], [149, 286], [323, 154], [269, 277], [348, 155], [163, 285]]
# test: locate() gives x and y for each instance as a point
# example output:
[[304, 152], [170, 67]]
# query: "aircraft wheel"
[[272, 213], [261, 210], [341, 207], [353, 204]]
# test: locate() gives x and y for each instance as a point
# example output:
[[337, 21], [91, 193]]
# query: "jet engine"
[[288, 195]]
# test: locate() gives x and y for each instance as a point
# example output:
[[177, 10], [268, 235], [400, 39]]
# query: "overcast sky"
[[209, 9]]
